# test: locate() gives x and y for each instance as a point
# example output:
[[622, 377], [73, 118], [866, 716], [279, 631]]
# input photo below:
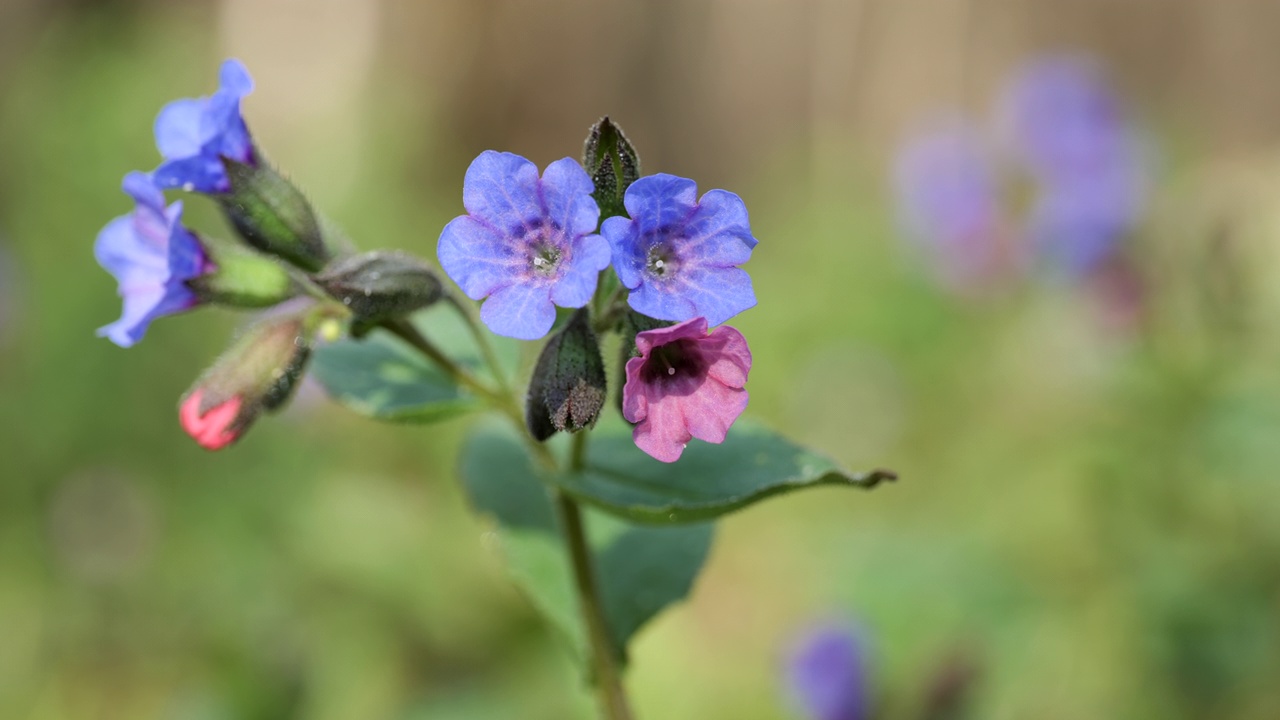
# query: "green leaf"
[[753, 463], [383, 378], [639, 570]]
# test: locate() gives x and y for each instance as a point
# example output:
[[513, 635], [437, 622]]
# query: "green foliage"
[[752, 464], [639, 570]]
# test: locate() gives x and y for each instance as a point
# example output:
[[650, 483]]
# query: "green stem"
[[604, 657], [608, 676], [407, 332], [482, 341]]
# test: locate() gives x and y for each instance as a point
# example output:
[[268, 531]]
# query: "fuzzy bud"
[[568, 386], [378, 286], [272, 215], [258, 374], [613, 165]]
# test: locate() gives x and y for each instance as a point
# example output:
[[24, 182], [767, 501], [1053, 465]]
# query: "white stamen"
[[659, 264], [671, 371], [188, 186]]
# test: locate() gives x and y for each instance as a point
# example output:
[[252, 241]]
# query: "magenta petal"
[[685, 384]]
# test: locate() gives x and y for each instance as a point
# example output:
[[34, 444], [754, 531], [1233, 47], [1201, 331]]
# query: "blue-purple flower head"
[[679, 255], [195, 134], [827, 674], [1071, 130], [526, 243], [949, 200], [152, 256]]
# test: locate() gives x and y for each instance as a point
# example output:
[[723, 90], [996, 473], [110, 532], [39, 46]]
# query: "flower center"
[[661, 261], [673, 361], [541, 250]]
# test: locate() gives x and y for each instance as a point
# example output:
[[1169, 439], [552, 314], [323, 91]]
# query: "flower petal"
[[715, 293], [659, 201], [521, 311], [577, 282], [234, 79], [179, 128], [712, 409], [193, 174], [728, 355], [502, 189], [476, 257], [566, 194], [718, 233], [624, 243]]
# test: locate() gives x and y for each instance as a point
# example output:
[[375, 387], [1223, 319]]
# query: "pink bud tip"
[[212, 428]]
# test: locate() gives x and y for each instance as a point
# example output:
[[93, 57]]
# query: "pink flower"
[[685, 384], [214, 428]]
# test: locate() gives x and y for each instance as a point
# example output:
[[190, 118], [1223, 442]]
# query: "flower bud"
[[241, 278], [380, 285], [568, 386], [272, 215], [257, 374], [613, 165]]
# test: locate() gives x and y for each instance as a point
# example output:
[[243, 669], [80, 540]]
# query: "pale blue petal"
[[502, 190], [477, 257], [657, 301], [718, 232], [660, 201], [233, 78], [624, 243], [566, 192], [577, 283], [524, 312], [716, 293], [179, 128]]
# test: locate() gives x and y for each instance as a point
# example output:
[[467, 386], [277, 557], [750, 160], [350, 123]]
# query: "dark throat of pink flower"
[[675, 361]]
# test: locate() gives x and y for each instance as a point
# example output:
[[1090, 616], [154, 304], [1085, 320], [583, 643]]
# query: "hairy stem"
[[604, 657], [407, 332], [482, 341]]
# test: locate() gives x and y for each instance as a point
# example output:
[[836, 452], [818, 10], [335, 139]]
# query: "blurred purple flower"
[[1070, 129], [152, 256], [194, 135], [527, 243], [949, 200], [827, 674], [679, 255]]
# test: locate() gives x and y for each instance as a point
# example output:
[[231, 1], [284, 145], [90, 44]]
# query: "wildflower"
[[679, 255], [1069, 128], [194, 135], [949, 200], [684, 384], [526, 243], [827, 675], [152, 256]]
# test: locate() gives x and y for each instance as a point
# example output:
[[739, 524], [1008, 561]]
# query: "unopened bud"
[[258, 374], [380, 285], [243, 278], [613, 165], [272, 215], [568, 386]]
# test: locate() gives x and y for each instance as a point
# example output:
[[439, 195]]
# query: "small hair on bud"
[[567, 390]]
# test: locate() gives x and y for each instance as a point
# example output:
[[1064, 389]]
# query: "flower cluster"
[[528, 244], [1066, 134]]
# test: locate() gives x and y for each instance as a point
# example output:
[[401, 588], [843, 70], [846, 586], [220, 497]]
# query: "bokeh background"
[[1088, 523]]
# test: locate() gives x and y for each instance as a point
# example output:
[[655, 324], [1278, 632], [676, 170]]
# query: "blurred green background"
[[1088, 523]]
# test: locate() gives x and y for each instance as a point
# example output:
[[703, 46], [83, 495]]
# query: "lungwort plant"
[[605, 518]]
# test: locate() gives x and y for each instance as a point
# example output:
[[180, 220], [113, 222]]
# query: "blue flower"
[[1087, 158], [195, 134], [152, 256], [827, 675], [678, 255], [949, 200], [526, 243], [1064, 117]]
